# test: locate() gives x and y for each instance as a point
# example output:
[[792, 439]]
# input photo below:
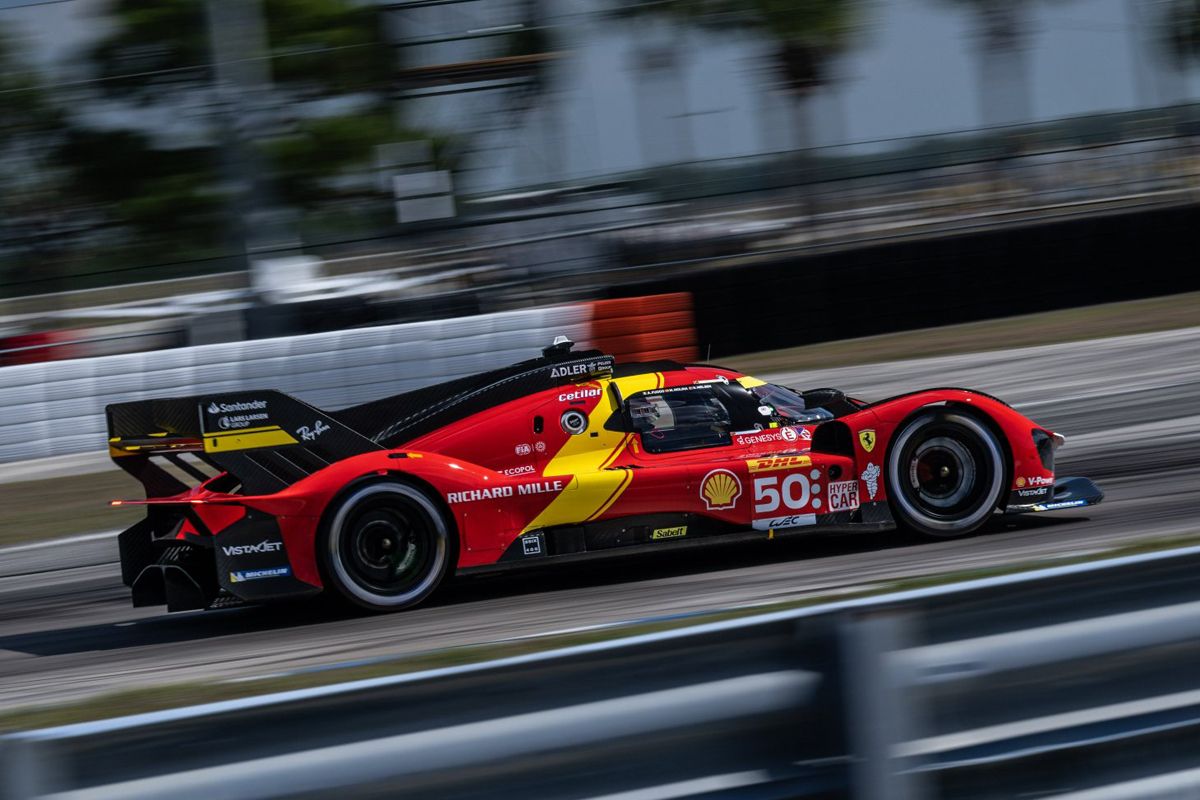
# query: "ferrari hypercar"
[[255, 496]]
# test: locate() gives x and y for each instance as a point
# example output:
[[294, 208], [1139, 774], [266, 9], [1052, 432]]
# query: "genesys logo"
[[265, 546], [785, 434]]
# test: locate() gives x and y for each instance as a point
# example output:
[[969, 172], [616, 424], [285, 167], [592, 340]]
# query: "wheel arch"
[[394, 476], [979, 415]]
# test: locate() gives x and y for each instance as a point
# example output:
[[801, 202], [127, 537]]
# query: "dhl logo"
[[777, 463]]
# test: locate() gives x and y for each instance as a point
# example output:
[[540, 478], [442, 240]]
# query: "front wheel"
[[387, 546], [945, 474]]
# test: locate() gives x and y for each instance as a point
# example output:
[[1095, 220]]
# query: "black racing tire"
[[387, 545], [945, 474]]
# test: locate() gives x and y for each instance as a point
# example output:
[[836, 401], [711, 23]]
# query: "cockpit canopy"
[[708, 414]]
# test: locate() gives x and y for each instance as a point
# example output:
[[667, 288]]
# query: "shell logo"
[[720, 490]]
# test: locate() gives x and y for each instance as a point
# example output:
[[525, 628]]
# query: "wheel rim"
[[387, 545], [946, 473], [942, 473]]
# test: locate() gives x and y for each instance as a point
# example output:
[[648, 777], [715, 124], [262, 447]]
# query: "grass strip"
[[47, 509], [158, 698]]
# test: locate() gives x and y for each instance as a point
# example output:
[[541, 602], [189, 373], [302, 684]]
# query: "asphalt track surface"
[[1130, 408]]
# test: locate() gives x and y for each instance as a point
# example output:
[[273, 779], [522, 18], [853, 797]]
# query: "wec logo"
[[265, 546]]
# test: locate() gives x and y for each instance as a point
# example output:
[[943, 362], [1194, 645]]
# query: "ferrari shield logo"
[[867, 439]]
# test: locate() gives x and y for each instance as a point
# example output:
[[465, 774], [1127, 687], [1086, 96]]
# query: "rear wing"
[[265, 440]]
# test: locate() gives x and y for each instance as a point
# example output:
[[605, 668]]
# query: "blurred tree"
[[33, 220], [309, 123], [1002, 34], [319, 48], [533, 50], [806, 35], [1182, 30]]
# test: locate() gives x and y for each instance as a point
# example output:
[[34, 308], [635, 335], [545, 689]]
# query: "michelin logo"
[[243, 575], [870, 476], [265, 546]]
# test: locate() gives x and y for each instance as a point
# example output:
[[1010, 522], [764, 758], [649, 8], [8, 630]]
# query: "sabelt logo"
[[778, 462], [720, 490], [669, 533], [265, 546]]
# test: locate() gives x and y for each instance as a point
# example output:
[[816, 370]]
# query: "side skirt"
[[658, 532]]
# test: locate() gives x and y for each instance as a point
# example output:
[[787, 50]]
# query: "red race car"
[[257, 495]]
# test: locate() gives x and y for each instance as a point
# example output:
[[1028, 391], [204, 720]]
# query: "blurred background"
[[186, 172], [344, 199]]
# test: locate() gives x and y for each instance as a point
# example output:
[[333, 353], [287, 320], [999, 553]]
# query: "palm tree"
[[806, 36], [1183, 30], [536, 46], [1002, 43]]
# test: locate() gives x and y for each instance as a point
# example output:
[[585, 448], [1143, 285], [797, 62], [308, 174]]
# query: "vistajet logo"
[[265, 546]]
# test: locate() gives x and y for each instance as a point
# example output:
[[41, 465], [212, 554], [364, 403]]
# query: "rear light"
[[1046, 445]]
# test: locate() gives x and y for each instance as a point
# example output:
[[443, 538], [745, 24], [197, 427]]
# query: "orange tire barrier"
[[648, 328]]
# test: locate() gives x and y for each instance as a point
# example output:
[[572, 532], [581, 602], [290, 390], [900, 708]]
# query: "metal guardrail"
[[1076, 681]]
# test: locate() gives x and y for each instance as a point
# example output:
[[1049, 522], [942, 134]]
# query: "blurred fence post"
[[879, 709]]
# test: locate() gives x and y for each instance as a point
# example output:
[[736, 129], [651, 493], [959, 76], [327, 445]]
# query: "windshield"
[[679, 420], [788, 404]]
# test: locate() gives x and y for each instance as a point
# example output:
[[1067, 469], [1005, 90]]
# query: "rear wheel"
[[945, 474], [387, 546]]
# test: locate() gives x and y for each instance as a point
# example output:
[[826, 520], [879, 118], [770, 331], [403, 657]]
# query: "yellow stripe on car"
[[595, 488], [247, 439]]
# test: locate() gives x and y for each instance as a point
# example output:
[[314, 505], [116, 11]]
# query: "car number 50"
[[794, 493]]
